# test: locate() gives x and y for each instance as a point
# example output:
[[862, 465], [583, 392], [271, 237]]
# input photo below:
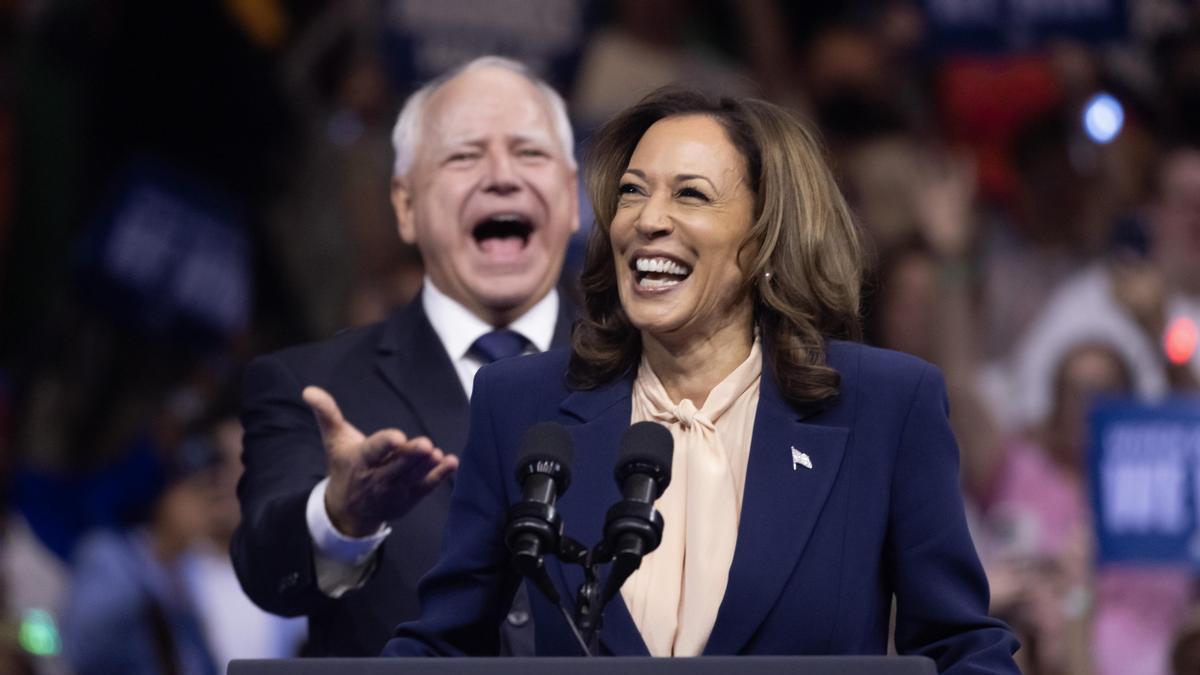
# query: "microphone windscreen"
[[545, 444], [647, 443]]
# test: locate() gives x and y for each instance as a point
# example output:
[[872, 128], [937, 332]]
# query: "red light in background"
[[1180, 340]]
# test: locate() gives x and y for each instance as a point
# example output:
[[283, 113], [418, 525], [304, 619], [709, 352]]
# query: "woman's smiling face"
[[685, 207]]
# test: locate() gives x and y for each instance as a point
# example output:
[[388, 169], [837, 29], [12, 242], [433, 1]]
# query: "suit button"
[[288, 581], [517, 618]]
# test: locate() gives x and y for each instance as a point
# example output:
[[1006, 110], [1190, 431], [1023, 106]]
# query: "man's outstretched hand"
[[373, 479]]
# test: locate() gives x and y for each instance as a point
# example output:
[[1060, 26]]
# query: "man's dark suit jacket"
[[391, 374], [822, 546]]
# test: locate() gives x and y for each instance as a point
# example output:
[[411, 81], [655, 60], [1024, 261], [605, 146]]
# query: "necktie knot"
[[499, 344]]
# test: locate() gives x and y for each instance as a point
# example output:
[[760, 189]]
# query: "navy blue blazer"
[[820, 552], [391, 374]]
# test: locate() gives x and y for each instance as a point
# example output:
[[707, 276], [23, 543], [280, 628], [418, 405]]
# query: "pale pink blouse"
[[675, 594]]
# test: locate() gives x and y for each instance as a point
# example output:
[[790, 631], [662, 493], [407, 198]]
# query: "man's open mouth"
[[503, 233], [659, 272]]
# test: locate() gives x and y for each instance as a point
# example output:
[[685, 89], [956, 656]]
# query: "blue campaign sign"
[[1144, 463], [423, 39], [998, 26], [170, 255]]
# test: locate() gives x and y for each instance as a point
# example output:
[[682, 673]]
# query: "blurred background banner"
[[169, 255], [424, 39], [1145, 478], [1010, 25]]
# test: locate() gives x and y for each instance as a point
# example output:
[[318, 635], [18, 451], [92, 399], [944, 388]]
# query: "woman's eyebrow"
[[694, 176], [679, 178]]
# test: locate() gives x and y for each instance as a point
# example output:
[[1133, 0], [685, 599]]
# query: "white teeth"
[[507, 217], [657, 283], [661, 266]]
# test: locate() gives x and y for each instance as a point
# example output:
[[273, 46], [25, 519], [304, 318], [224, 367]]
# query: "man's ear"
[[402, 204]]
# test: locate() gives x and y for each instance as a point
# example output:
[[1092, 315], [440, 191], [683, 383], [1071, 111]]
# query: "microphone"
[[633, 527], [534, 526]]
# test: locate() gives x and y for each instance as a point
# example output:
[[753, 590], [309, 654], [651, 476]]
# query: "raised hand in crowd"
[[946, 188]]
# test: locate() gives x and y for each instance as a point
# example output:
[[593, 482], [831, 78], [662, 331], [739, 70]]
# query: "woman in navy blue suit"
[[814, 479]]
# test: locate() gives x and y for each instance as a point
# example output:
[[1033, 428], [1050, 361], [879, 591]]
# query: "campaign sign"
[[1144, 462], [1002, 26], [169, 253], [423, 39]]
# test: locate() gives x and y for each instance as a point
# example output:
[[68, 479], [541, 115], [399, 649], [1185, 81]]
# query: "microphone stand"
[[588, 606], [530, 526], [591, 597], [536, 573], [632, 529]]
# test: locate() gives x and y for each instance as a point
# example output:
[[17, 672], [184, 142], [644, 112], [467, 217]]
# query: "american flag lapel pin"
[[800, 459]]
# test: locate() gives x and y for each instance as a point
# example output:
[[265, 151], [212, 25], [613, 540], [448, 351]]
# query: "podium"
[[613, 665]]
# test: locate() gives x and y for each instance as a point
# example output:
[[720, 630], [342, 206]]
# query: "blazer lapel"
[[604, 413], [780, 507], [413, 361]]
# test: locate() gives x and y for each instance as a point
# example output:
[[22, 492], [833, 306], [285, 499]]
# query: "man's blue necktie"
[[499, 344]]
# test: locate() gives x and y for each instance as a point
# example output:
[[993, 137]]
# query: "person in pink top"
[[1039, 544]]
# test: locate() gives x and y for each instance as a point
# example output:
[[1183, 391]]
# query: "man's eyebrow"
[[460, 141], [530, 138]]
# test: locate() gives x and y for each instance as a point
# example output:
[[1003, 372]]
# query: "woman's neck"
[[690, 368]]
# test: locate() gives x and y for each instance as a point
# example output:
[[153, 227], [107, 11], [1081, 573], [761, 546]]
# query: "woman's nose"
[[654, 221]]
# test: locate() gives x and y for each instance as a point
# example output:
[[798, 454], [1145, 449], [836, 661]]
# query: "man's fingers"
[[411, 474], [441, 472], [382, 445], [334, 427], [429, 457], [409, 462]]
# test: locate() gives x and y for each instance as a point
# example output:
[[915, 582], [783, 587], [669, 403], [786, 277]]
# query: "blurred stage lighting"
[[1181, 340], [38, 634], [1103, 118]]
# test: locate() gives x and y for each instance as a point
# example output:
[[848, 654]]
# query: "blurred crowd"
[[184, 185]]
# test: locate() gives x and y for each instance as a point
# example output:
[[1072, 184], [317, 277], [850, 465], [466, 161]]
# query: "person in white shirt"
[[351, 444], [1129, 305]]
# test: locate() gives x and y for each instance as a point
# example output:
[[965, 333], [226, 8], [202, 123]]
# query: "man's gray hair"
[[406, 134]]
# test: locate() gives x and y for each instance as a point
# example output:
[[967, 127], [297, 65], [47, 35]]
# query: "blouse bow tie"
[[686, 415], [675, 594]]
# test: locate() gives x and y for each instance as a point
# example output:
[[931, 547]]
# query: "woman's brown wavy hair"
[[803, 235]]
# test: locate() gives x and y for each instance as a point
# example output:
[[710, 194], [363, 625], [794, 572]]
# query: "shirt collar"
[[458, 328]]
